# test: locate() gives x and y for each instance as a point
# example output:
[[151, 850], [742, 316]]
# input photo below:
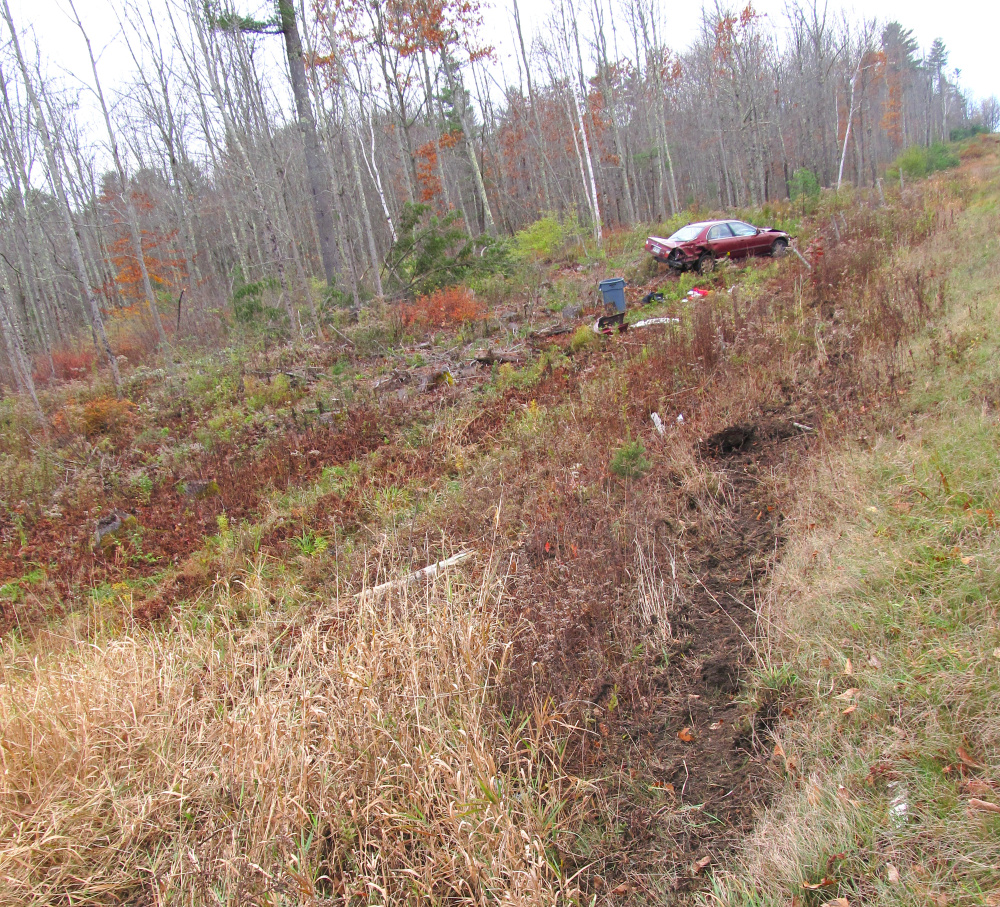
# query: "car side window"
[[719, 231], [741, 229]]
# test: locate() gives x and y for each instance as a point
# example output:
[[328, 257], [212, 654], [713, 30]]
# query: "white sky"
[[970, 37]]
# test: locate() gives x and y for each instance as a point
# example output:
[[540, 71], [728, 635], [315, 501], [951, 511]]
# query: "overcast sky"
[[971, 38]]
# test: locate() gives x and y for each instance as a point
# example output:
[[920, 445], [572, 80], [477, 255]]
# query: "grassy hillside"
[[884, 640], [219, 701]]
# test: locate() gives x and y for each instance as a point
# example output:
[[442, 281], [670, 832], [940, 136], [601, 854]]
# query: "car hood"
[[664, 243]]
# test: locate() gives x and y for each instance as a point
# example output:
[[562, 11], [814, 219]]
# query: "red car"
[[699, 245]]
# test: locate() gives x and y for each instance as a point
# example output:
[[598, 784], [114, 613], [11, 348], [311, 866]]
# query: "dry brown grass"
[[349, 752]]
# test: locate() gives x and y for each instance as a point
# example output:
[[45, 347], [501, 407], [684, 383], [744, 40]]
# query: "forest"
[[215, 193]]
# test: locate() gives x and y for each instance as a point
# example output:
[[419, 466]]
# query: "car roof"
[[702, 224]]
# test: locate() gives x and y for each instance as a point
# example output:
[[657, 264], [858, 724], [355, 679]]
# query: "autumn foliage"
[[164, 263], [68, 364], [448, 306], [107, 416]]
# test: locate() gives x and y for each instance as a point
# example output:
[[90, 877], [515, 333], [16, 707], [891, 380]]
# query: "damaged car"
[[698, 246]]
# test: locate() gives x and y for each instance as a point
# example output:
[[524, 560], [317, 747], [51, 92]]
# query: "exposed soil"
[[241, 475], [664, 719], [174, 522]]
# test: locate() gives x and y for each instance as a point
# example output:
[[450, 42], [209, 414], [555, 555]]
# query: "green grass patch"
[[885, 642]]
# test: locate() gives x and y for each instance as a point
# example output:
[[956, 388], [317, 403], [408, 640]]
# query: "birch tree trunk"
[[15, 350], [543, 164], [601, 47], [574, 75], [240, 145]]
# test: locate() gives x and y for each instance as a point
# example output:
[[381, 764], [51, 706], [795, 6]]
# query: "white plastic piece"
[[650, 321], [899, 808], [657, 423], [428, 572]]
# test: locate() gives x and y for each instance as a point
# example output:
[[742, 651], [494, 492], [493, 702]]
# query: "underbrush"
[[919, 160]]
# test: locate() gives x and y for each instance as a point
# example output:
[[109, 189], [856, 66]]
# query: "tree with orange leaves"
[[404, 33], [160, 260]]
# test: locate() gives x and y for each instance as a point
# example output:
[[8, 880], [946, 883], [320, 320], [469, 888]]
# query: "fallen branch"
[[801, 257], [489, 357], [428, 572], [552, 331]]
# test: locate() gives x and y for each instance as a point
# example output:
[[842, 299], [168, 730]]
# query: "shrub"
[[261, 394], [917, 161], [69, 364], [250, 303], [432, 252], [967, 132], [629, 461], [546, 238], [450, 306], [132, 345], [107, 416], [583, 337], [803, 184]]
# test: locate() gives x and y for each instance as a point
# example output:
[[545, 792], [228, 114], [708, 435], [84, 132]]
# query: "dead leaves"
[[849, 696], [975, 804], [968, 760], [844, 794], [978, 787], [699, 866], [686, 735], [825, 882], [791, 766]]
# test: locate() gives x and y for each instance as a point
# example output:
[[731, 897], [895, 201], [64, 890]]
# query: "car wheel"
[[706, 264], [779, 247]]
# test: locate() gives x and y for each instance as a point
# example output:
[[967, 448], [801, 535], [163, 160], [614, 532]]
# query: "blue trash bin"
[[613, 291]]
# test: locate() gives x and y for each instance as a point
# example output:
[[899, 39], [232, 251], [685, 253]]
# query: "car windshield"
[[686, 234]]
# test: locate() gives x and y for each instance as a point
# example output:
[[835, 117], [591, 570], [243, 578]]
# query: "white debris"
[[680, 418], [899, 808], [657, 423], [651, 321]]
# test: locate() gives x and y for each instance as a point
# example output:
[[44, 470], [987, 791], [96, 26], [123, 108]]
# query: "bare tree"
[[55, 176], [130, 213]]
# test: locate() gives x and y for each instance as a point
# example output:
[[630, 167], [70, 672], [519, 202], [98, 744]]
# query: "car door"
[[720, 240], [745, 239]]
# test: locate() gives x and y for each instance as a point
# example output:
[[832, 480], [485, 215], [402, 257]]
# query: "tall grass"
[[246, 755]]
